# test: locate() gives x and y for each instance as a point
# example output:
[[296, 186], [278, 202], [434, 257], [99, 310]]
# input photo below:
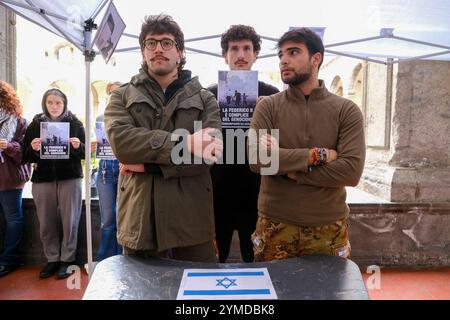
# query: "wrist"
[[319, 156]]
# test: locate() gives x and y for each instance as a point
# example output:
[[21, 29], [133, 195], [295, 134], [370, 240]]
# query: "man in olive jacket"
[[165, 208]]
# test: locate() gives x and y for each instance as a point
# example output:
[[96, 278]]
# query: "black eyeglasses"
[[166, 44]]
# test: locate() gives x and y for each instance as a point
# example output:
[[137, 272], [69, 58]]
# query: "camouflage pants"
[[276, 241]]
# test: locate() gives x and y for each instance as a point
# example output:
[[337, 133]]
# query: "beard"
[[163, 70], [299, 77]]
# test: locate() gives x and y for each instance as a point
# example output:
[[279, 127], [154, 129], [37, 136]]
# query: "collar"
[[316, 94]]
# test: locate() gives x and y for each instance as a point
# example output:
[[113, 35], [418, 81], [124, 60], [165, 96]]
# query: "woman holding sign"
[[106, 183], [56, 179]]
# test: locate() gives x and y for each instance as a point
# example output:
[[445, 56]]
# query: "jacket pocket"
[[187, 114]]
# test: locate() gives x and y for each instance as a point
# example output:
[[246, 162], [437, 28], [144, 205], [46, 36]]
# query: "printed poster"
[[55, 140], [104, 150], [237, 93]]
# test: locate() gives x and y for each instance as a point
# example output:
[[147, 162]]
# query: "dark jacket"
[[14, 174], [171, 208], [53, 170], [235, 187]]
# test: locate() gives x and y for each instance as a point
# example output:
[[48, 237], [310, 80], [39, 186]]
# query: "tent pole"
[[87, 173], [89, 57]]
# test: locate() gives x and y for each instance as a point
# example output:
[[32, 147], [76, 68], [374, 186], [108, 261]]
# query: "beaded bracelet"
[[319, 156]]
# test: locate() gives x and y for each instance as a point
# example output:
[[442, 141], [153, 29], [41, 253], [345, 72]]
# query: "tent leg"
[[87, 174]]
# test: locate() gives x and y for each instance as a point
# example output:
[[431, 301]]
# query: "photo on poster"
[[104, 150], [109, 32], [237, 94], [55, 140]]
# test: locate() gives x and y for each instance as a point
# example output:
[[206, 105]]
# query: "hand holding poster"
[[55, 140], [104, 150]]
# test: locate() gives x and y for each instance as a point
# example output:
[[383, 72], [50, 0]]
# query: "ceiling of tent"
[[425, 23], [63, 18]]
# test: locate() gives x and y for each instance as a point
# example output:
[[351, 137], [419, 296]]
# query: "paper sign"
[[226, 284]]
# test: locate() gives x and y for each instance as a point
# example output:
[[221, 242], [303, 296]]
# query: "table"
[[319, 277]]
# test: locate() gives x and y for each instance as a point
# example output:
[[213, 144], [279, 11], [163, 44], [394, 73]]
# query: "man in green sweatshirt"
[[316, 140]]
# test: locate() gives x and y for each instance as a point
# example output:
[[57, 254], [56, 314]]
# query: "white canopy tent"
[[382, 31]]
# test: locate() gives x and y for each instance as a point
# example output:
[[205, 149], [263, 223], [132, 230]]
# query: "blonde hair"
[[110, 85]]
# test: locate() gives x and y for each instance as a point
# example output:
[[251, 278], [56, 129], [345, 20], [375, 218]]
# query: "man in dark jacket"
[[164, 205], [235, 187]]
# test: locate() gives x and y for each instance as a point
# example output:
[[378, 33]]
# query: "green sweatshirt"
[[324, 120]]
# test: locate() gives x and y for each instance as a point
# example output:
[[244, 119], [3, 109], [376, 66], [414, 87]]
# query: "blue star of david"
[[226, 282]]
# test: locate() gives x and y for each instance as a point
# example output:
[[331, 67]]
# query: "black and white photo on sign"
[[237, 94], [55, 142], [104, 150], [109, 33]]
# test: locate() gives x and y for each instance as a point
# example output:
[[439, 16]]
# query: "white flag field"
[[226, 284]]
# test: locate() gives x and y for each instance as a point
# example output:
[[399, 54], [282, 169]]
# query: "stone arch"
[[337, 87], [355, 90], [25, 91], [100, 98], [65, 52], [65, 86]]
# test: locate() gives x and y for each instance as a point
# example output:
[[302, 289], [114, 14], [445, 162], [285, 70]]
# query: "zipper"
[[307, 122]]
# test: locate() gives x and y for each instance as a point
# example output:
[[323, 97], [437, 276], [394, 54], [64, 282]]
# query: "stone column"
[[8, 46], [414, 164]]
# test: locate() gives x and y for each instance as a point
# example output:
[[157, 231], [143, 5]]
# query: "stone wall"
[[7, 46], [400, 235], [31, 246], [414, 165], [384, 234]]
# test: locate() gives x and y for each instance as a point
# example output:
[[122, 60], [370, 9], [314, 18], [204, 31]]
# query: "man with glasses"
[[164, 208]]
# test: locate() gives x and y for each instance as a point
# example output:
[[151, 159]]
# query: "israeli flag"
[[226, 284]]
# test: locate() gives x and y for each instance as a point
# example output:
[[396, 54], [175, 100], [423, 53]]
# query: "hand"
[[292, 176], [269, 142], [3, 144], [93, 146], [201, 144], [75, 142], [128, 169], [331, 155], [36, 144]]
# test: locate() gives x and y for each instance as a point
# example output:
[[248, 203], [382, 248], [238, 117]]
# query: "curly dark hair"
[[162, 24], [240, 32], [9, 101]]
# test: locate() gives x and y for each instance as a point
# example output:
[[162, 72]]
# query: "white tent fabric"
[[419, 29], [63, 18], [427, 22], [384, 31]]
